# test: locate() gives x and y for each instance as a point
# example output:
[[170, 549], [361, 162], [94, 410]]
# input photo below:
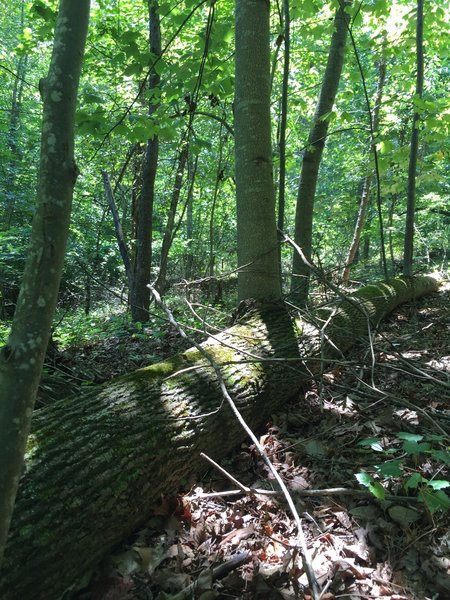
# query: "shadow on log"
[[98, 461]]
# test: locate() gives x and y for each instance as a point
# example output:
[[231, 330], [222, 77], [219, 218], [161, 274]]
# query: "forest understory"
[[382, 416]]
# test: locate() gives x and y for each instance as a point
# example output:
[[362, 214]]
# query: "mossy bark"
[[98, 461], [22, 357]]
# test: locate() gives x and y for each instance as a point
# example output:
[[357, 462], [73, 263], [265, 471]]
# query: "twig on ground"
[[304, 494], [207, 576], [242, 487]]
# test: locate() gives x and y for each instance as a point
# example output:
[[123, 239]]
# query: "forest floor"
[[379, 419]]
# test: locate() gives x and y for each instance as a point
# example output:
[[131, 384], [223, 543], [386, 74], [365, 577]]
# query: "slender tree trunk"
[[97, 462], [313, 155], [283, 121], [109, 193], [192, 171], [366, 247], [259, 274], [22, 358], [411, 188], [392, 206], [365, 196], [161, 282], [219, 170], [140, 294], [13, 134]]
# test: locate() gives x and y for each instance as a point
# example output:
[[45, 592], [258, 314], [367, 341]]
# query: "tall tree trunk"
[[98, 461], [217, 184], [22, 358], [283, 121], [192, 172], [161, 282], [13, 133], [140, 294], [411, 188], [109, 193], [259, 274], [313, 155], [365, 196]]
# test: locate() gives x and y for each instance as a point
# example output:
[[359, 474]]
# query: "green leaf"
[[373, 486], [364, 478], [410, 437], [129, 36], [131, 49], [378, 490], [44, 11], [390, 469], [200, 143], [415, 448], [434, 437], [168, 133], [134, 68], [372, 442], [385, 146], [357, 19], [413, 482], [308, 8], [227, 85], [329, 116], [439, 484], [443, 455], [435, 500], [143, 131]]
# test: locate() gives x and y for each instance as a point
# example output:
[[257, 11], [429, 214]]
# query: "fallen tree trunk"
[[97, 462]]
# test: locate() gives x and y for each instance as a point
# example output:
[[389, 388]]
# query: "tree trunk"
[[411, 188], [313, 155], [21, 359], [13, 136], [109, 193], [98, 461], [259, 273], [139, 293], [365, 196], [283, 123], [161, 281], [189, 260]]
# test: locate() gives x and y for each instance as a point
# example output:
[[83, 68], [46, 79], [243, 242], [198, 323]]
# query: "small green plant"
[[4, 332], [409, 460]]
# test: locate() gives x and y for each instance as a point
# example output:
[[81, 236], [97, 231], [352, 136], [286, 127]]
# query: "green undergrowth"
[[412, 462], [4, 331], [75, 328]]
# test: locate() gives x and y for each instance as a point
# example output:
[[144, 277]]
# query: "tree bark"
[[313, 156], [189, 258], [259, 272], [21, 359], [98, 461], [408, 247], [139, 293], [283, 119]]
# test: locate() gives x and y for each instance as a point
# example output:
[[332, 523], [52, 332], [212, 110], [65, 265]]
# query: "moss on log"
[[96, 462]]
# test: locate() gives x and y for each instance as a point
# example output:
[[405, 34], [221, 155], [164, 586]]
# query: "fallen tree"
[[98, 461]]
